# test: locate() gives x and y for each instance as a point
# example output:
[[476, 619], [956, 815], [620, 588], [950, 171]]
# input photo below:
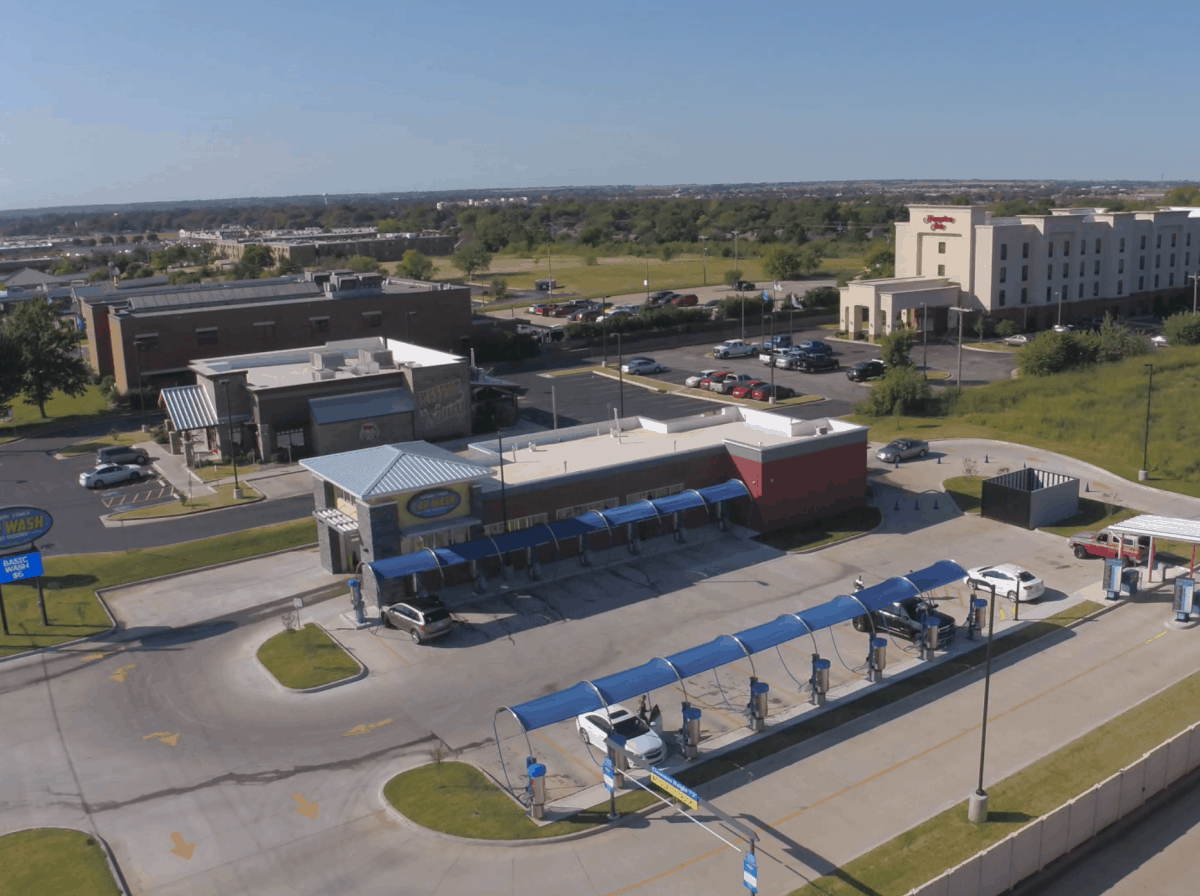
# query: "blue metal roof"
[[405, 565], [725, 491], [630, 513]]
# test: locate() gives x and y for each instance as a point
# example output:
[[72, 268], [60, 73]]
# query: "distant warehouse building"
[[152, 334], [309, 249], [1036, 270]]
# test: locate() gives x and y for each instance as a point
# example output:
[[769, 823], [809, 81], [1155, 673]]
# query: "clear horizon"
[[145, 103]]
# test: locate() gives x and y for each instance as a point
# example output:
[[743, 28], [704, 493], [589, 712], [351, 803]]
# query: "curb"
[[358, 676], [108, 518], [109, 857]]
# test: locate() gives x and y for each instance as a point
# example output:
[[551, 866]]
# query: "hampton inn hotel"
[[1037, 270]]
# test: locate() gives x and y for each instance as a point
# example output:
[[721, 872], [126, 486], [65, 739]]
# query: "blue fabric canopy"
[[404, 565], [725, 491], [661, 672], [630, 513], [675, 503]]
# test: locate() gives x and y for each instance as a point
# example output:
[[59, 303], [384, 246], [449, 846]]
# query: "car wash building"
[[412, 517]]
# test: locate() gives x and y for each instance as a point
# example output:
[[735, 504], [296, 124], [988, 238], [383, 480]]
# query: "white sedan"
[[110, 474], [1018, 339], [642, 366], [1159, 341], [640, 739], [694, 380], [1011, 581]]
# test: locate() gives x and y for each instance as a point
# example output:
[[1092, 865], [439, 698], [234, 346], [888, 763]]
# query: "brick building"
[[152, 334]]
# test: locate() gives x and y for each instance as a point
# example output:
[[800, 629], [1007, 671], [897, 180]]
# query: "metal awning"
[[337, 520], [189, 408], [1166, 527]]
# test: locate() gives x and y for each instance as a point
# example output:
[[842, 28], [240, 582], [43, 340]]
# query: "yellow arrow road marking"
[[122, 673], [304, 807], [166, 737], [363, 729], [183, 849]]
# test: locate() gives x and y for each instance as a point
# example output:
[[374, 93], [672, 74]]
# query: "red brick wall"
[[804, 487]]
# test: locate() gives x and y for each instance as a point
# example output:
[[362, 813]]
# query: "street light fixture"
[[500, 448], [621, 375], [1144, 472], [773, 347], [704, 247], [977, 807], [1195, 278], [232, 451], [138, 347], [925, 339]]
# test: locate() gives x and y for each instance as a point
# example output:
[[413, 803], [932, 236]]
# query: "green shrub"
[[1006, 328], [902, 390], [1182, 328]]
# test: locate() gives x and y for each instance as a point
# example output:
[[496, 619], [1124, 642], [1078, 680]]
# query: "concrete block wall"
[[1033, 847]]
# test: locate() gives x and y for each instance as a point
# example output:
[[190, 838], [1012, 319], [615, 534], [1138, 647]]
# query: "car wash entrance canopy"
[[664, 671]]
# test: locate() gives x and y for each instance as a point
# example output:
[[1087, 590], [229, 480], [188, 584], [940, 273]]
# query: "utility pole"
[[1195, 280], [925, 339], [958, 378]]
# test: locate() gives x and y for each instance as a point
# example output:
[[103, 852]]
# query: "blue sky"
[[143, 101]]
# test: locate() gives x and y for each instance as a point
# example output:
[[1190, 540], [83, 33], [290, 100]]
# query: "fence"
[[1027, 851]]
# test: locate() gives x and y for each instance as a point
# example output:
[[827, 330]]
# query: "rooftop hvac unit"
[[331, 360], [323, 373]]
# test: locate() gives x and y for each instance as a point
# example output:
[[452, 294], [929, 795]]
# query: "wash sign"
[[21, 525], [22, 566], [674, 788]]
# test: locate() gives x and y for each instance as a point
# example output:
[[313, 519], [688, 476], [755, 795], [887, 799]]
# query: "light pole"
[[232, 450], [408, 315], [977, 807], [1144, 472], [773, 346], [1195, 278], [704, 251], [500, 448], [647, 281], [621, 375], [1060, 298], [137, 356], [925, 339]]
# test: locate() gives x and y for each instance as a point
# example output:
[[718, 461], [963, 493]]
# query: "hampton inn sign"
[[937, 222]]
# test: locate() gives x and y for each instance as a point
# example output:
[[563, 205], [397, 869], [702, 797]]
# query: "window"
[[265, 330], [1189, 239], [1141, 283], [1000, 299], [1066, 247], [1095, 288], [1024, 272], [524, 522], [1004, 251], [1083, 247], [1024, 295], [1158, 242], [1081, 290], [1120, 265], [1050, 249], [146, 342], [941, 270], [1096, 268], [1048, 293], [1122, 244], [1024, 250], [206, 336], [1156, 281], [319, 324], [1187, 258], [1170, 279], [1158, 261], [941, 248], [1003, 274], [655, 493], [1097, 246], [1082, 264], [373, 319], [1049, 272], [1173, 240], [569, 513], [1120, 287], [1066, 272], [1141, 262], [1143, 241], [1172, 260]]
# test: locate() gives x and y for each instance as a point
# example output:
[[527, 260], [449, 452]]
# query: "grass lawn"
[[474, 807], [938, 375], [70, 582], [947, 839], [967, 492], [53, 862], [60, 409], [1092, 517], [307, 658], [824, 531], [212, 472], [223, 498], [129, 437]]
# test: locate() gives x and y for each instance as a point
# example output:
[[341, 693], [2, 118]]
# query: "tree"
[[732, 276], [415, 265], [364, 264], [499, 288], [389, 225], [1006, 328], [45, 353], [1189, 196], [896, 348], [880, 260], [983, 325], [10, 372], [782, 262], [254, 260], [1182, 329], [471, 259], [1114, 342], [902, 390]]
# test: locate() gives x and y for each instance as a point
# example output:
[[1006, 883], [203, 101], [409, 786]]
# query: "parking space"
[[147, 491]]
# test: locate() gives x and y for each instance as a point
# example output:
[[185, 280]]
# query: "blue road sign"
[[21, 566], [609, 781], [750, 873]]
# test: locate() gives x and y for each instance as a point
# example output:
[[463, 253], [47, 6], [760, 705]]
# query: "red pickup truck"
[[1106, 543]]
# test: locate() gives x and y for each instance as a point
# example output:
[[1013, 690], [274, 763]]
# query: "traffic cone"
[[897, 508], [917, 504], [935, 504], [1087, 486], [985, 459], [939, 459]]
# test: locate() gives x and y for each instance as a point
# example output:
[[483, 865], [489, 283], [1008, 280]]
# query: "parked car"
[[729, 382], [1010, 580], [734, 348], [695, 378], [776, 343], [562, 310], [902, 449], [1107, 543], [771, 357], [109, 474], [744, 389], [792, 358], [1158, 341], [815, 347], [1018, 339], [1063, 328], [763, 392], [586, 315], [641, 740], [715, 376], [906, 619], [543, 308], [684, 301], [423, 618], [642, 366], [865, 370], [122, 454], [813, 363], [663, 295], [744, 286]]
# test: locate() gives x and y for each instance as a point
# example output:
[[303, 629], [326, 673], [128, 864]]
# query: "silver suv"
[[122, 454]]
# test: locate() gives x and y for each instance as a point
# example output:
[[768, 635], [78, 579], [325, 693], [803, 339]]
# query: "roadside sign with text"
[[21, 525], [609, 782], [21, 566], [665, 782], [750, 873]]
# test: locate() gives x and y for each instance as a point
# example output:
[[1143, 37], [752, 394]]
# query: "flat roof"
[[580, 449]]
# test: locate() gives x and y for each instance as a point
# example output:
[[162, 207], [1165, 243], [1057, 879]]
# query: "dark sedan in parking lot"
[[865, 370], [906, 619], [763, 392]]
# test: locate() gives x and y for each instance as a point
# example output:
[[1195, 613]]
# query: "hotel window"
[[1024, 272], [1172, 260], [265, 330], [1096, 268], [1141, 262], [1158, 261], [1120, 287], [1024, 295], [1048, 293], [373, 319], [206, 336], [941, 248], [1082, 265], [1097, 247], [1050, 249], [1189, 239], [319, 324], [1000, 299], [1187, 258], [1081, 290], [1170, 279], [1173, 240], [1156, 281], [1066, 273], [1049, 272], [1083, 247], [941, 270], [1120, 265], [1141, 283], [146, 342], [1095, 289], [1024, 250], [1066, 247], [1004, 251], [1122, 249], [1003, 274], [1158, 242], [1143, 241]]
